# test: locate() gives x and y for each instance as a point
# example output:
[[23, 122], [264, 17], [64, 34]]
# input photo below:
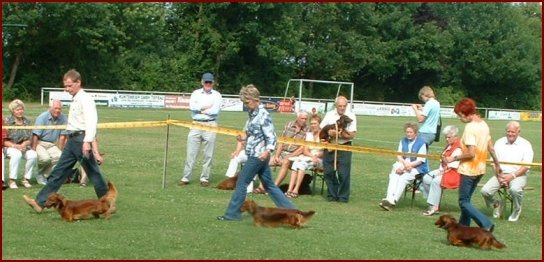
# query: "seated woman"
[[434, 180], [311, 157], [18, 145], [406, 168]]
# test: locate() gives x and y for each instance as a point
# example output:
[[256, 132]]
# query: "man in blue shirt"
[[48, 143]]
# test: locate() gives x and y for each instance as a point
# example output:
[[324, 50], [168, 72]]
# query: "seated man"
[[434, 181], [406, 168], [48, 143], [297, 130], [511, 148]]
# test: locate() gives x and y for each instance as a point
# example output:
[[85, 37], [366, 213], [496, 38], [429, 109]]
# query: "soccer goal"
[[289, 104]]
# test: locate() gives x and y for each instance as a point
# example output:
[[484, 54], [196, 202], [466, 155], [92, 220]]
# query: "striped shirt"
[[291, 130], [260, 131]]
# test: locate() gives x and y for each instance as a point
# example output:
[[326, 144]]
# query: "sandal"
[[431, 212], [258, 191], [291, 195]]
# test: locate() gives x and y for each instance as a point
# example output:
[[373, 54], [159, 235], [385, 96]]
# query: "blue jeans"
[[468, 211], [338, 187], [71, 154], [428, 138], [252, 167]]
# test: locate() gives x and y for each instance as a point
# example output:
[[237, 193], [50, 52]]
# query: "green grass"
[[179, 223]]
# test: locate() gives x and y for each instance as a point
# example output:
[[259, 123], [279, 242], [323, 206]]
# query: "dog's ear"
[[62, 202]]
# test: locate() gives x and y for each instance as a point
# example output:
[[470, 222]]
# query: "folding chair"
[[413, 187], [505, 196], [317, 172]]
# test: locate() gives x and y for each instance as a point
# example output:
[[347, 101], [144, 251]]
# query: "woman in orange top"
[[476, 144]]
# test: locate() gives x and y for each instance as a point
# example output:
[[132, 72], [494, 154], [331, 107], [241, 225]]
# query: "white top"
[[83, 116], [332, 116], [520, 151], [200, 99]]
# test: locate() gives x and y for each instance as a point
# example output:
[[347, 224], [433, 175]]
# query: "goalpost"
[[301, 84]]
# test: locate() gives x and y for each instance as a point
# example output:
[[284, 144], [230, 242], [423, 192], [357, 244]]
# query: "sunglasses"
[[208, 82]]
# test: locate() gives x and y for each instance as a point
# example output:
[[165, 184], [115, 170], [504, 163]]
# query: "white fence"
[[176, 100]]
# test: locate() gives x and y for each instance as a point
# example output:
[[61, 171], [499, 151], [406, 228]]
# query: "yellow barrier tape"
[[235, 132]]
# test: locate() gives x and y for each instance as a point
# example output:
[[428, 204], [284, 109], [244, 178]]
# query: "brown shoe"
[[183, 183], [31, 202], [204, 183]]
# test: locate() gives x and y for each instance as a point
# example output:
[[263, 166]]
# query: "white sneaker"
[[13, 185], [41, 179], [515, 215], [497, 210]]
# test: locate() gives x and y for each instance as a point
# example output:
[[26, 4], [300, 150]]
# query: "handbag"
[[438, 130], [450, 179]]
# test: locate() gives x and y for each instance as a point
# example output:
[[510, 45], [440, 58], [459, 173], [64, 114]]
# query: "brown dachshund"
[[342, 123], [460, 235], [71, 210], [274, 217], [229, 183]]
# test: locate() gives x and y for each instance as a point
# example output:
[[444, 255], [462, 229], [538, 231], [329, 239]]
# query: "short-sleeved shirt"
[[46, 119], [332, 116], [291, 130], [476, 134], [431, 110], [520, 151], [18, 136]]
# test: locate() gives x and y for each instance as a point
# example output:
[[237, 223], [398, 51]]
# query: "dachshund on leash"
[[71, 210], [274, 217], [460, 235]]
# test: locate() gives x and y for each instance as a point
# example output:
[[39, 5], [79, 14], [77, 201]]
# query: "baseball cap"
[[207, 77]]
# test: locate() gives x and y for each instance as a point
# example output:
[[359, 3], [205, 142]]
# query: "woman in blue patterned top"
[[260, 141]]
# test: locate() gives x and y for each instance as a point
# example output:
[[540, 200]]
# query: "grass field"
[[180, 223]]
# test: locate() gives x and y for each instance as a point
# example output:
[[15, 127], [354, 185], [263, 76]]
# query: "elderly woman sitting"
[[446, 175], [406, 168], [18, 144]]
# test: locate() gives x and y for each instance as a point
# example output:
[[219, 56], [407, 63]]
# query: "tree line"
[[491, 52]]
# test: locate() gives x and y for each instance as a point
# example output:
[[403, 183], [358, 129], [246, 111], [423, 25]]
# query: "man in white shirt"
[[81, 131], [339, 186], [205, 105], [511, 148]]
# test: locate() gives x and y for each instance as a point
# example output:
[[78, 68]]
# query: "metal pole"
[[165, 153]]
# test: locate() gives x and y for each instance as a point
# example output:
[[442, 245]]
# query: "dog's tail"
[[111, 196], [308, 214], [305, 217], [496, 243]]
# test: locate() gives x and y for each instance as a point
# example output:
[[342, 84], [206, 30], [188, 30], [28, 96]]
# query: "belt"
[[203, 120], [76, 133]]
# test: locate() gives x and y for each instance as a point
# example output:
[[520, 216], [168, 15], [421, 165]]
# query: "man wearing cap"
[[205, 104]]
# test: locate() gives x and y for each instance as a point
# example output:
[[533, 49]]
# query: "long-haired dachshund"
[[342, 123], [460, 235], [274, 217], [71, 210], [229, 183]]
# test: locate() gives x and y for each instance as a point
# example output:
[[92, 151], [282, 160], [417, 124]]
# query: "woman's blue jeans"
[[254, 166], [468, 211]]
